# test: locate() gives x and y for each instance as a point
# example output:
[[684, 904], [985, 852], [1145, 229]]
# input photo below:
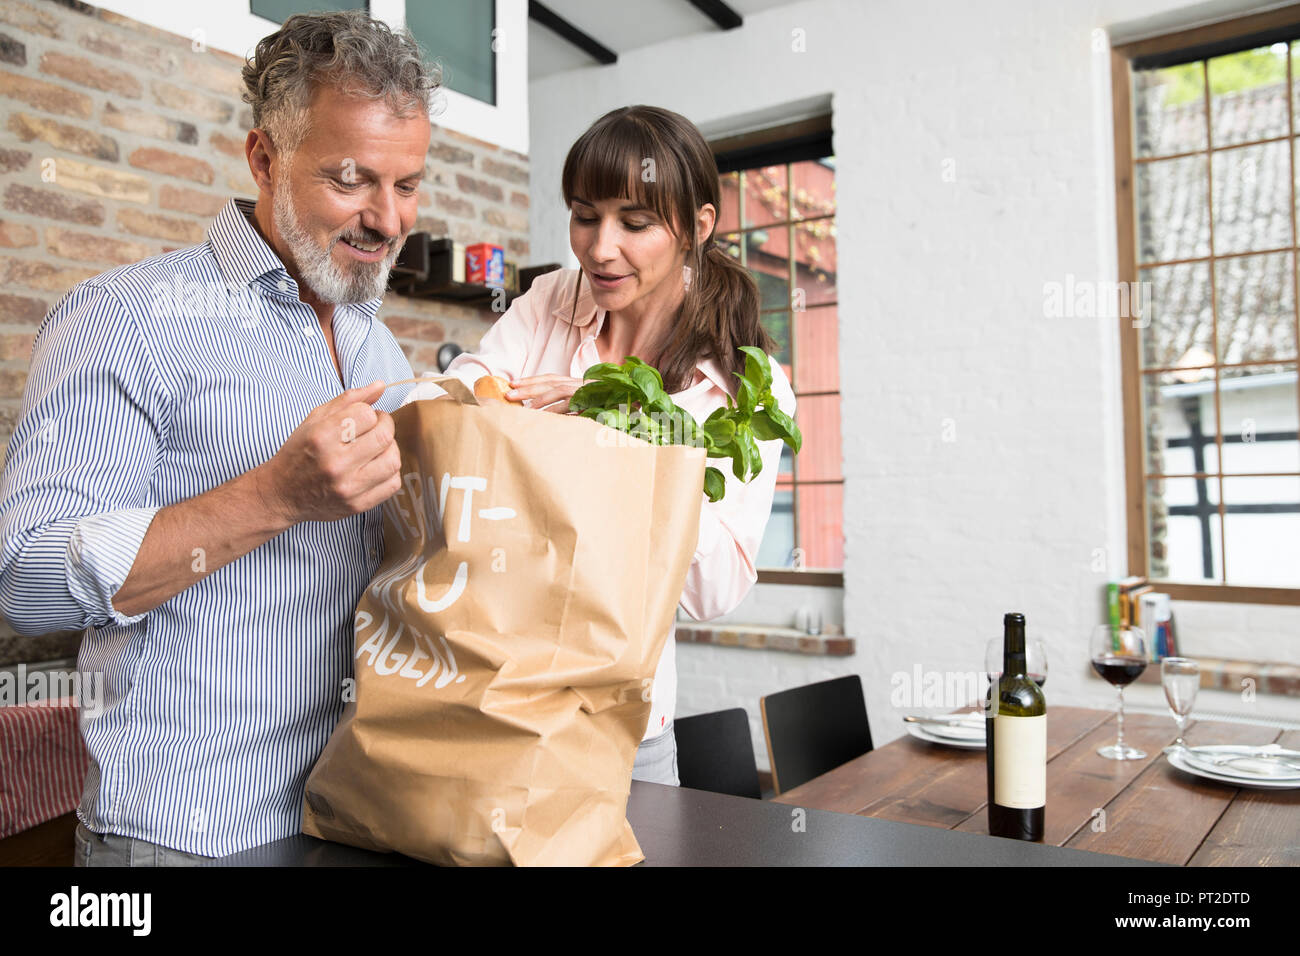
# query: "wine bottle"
[[1016, 740]]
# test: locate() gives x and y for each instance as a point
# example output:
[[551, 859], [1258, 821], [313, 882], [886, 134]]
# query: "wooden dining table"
[[1143, 809]]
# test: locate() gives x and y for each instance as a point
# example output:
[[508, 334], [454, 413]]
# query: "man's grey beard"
[[360, 282]]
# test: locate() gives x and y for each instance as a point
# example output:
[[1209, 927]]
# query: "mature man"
[[204, 444]]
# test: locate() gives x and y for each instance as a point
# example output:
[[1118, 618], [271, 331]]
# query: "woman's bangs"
[[615, 163]]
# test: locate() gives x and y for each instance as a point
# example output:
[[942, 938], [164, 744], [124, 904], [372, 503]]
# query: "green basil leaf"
[[715, 485], [748, 448], [600, 371], [746, 396], [721, 430], [596, 395], [784, 424], [764, 429], [758, 368], [651, 386]]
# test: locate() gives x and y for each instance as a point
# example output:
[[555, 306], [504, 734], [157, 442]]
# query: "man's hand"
[[550, 393], [342, 460]]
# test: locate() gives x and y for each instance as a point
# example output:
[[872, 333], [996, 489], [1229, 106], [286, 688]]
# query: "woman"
[[642, 190]]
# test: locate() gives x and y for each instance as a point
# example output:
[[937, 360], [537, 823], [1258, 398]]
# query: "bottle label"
[[1020, 761]]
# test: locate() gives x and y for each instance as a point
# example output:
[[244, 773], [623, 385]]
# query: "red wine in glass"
[[1119, 655]]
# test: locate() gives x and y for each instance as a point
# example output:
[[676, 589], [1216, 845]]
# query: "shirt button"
[[308, 331], [374, 554]]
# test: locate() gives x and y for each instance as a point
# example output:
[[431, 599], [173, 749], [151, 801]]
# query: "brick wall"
[[118, 141]]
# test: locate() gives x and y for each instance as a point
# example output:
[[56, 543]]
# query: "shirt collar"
[[714, 373], [244, 257]]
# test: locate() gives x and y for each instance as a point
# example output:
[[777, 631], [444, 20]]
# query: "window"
[[778, 220], [278, 11], [1206, 150], [462, 35]]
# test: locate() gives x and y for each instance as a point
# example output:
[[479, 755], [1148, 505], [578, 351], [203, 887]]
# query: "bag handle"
[[448, 383]]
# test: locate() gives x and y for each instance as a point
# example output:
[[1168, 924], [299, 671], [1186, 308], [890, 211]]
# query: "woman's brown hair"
[[658, 159]]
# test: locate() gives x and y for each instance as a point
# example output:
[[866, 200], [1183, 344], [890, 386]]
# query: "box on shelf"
[[485, 264]]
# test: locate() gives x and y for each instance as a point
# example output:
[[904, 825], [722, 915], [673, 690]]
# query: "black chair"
[[814, 728], [716, 753]]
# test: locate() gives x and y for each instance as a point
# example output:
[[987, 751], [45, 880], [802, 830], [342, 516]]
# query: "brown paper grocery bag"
[[505, 649]]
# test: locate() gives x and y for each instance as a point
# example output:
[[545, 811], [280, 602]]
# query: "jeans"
[[656, 759], [109, 849]]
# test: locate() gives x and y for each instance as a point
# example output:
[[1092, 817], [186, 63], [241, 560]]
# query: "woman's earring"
[[686, 277]]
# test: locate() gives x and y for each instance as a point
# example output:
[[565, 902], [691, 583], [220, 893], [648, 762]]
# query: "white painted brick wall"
[[941, 304]]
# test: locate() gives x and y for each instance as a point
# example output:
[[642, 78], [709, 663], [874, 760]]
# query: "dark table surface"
[[1152, 811], [680, 827]]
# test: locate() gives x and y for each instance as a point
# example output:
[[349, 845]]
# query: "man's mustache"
[[370, 239]]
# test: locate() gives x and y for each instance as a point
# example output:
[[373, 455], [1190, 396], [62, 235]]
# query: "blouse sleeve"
[[504, 348], [724, 566]]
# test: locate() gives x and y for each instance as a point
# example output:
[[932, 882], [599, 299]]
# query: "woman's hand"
[[550, 393]]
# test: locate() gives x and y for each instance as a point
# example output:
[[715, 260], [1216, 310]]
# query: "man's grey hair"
[[350, 49]]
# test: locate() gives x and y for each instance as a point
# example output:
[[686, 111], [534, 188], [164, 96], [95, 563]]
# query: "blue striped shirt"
[[150, 384]]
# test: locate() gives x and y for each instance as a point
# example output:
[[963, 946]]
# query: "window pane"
[[816, 262], [1173, 210], [821, 526], [1180, 421], [818, 417], [729, 214], [1169, 110], [777, 549], [1262, 531], [766, 196], [765, 256], [1259, 419], [817, 350], [813, 188], [1252, 198], [778, 324], [1256, 307], [785, 472], [459, 35], [1177, 323], [281, 10], [1248, 95], [1184, 529]]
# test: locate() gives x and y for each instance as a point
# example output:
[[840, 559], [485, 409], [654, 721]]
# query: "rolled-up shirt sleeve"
[[724, 566], [74, 499]]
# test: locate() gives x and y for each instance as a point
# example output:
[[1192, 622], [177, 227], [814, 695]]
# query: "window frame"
[[786, 145], [1202, 42]]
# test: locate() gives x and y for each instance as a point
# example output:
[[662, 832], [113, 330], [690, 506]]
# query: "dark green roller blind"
[[458, 34], [281, 10]]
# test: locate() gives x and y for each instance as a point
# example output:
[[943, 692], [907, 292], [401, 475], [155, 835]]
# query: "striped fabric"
[[151, 384], [42, 764]]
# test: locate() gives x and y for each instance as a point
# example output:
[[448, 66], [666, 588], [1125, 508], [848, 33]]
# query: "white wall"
[[942, 306]]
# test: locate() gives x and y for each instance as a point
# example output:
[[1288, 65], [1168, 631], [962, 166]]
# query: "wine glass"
[[1119, 654], [1181, 678], [1035, 660]]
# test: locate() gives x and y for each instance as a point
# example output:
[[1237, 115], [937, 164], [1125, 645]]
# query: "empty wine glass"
[[1181, 678], [1119, 654]]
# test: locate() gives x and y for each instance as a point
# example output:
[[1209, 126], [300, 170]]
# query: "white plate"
[[955, 731], [920, 733], [1263, 769], [1175, 758]]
